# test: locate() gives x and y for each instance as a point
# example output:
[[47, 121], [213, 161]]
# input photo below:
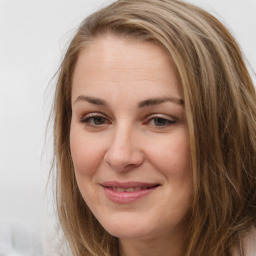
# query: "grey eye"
[[98, 120], [159, 121], [95, 120]]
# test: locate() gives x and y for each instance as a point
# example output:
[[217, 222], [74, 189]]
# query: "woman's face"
[[129, 138]]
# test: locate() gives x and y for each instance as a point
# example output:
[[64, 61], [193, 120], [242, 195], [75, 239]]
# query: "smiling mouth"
[[131, 189], [126, 193]]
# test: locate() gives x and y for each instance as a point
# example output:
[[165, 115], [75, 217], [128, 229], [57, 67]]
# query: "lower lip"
[[127, 197]]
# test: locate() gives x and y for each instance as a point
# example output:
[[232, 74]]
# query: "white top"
[[16, 239], [248, 244]]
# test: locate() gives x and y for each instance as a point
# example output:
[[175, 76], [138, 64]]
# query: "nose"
[[124, 152]]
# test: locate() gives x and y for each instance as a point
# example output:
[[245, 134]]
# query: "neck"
[[164, 246]]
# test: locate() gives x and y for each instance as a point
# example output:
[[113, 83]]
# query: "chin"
[[128, 228], [128, 232]]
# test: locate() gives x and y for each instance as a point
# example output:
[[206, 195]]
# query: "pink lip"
[[123, 197]]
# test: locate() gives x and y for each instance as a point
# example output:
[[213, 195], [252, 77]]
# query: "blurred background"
[[33, 37]]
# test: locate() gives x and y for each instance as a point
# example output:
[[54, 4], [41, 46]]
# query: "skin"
[[129, 138]]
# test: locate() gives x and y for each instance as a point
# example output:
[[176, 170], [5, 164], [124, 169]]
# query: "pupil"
[[160, 121], [98, 120]]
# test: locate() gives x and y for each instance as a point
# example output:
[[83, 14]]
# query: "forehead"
[[124, 63]]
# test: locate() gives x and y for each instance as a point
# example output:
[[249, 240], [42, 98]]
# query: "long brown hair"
[[220, 104]]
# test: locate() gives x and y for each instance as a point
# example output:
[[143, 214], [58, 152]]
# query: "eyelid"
[[84, 118], [170, 118], [92, 114], [166, 122]]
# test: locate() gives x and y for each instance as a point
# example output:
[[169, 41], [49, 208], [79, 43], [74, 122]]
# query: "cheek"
[[172, 155], [175, 165], [172, 159], [86, 152]]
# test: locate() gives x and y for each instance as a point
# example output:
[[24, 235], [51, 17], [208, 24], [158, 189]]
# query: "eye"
[[94, 120], [161, 122]]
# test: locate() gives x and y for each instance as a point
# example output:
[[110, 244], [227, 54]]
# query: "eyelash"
[[167, 121], [91, 118]]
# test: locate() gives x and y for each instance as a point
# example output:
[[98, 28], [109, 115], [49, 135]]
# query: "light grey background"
[[33, 37]]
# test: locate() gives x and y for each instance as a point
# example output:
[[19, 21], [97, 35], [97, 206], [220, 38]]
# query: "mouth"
[[131, 189], [123, 193]]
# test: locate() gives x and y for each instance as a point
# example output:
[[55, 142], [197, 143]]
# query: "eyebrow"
[[156, 101], [92, 100], [144, 103]]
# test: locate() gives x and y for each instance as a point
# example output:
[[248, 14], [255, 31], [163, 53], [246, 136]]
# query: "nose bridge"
[[124, 151], [123, 135]]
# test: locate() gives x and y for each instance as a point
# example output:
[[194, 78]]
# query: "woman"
[[155, 135]]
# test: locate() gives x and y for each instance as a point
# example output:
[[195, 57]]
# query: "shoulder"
[[247, 245], [249, 242]]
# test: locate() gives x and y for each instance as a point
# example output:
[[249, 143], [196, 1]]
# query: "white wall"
[[33, 36]]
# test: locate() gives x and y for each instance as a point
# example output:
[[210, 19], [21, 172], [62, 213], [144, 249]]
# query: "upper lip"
[[129, 184]]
